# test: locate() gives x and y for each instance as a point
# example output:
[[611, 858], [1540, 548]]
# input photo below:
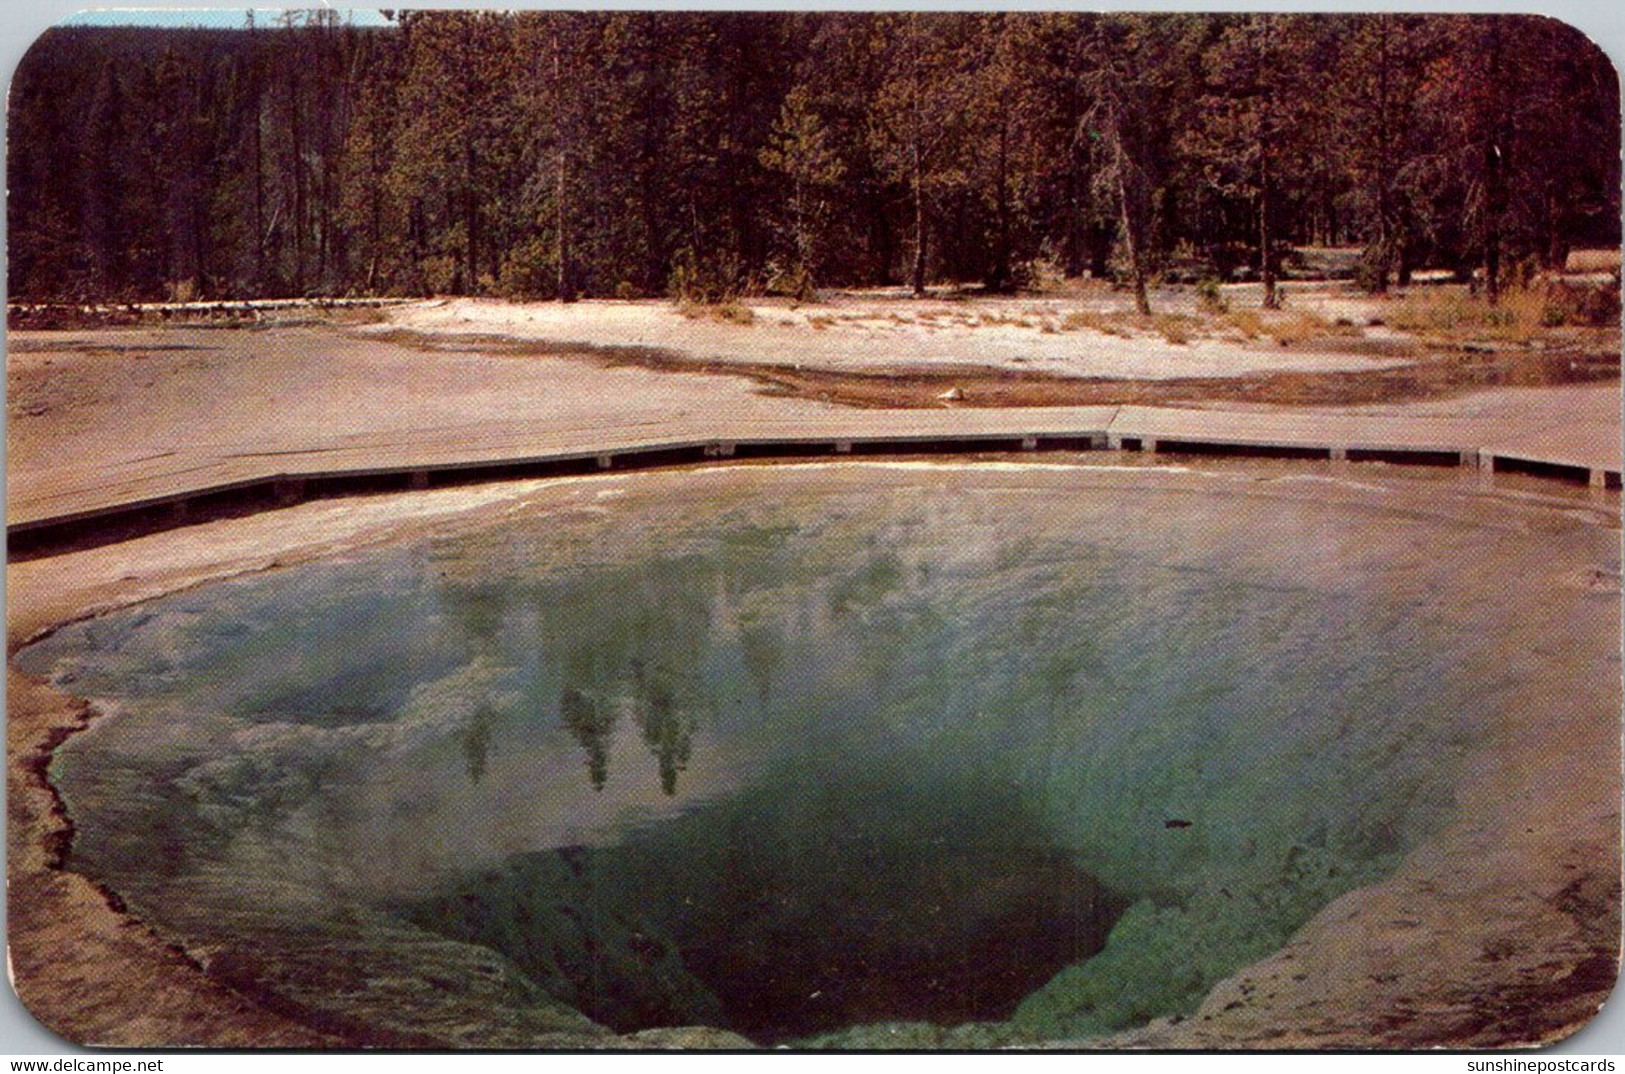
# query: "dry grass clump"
[[1520, 316], [1250, 323], [721, 312], [997, 319], [1181, 328], [1173, 327], [1299, 326], [1177, 328], [1454, 314], [1089, 320]]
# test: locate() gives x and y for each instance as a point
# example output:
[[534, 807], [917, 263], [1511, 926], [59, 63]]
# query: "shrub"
[[706, 281], [1043, 273], [528, 271], [1209, 296], [1374, 262], [441, 274], [1565, 303], [795, 282]]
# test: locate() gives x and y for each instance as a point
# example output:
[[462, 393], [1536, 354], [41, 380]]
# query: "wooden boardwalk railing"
[[65, 506]]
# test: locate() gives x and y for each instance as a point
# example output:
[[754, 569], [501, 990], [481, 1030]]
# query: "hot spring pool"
[[814, 754]]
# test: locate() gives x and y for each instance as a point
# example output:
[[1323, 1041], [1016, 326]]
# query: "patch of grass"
[[819, 322], [1250, 323], [1173, 327], [996, 319], [1176, 328], [1088, 320], [1522, 314], [721, 312], [1448, 314], [359, 315], [1299, 326]]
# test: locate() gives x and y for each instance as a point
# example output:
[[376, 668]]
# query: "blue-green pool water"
[[791, 753]]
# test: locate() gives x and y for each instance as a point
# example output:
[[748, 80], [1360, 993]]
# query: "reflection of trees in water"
[[867, 585], [667, 726], [476, 740], [616, 639], [636, 638], [762, 648], [666, 722], [594, 727], [477, 612]]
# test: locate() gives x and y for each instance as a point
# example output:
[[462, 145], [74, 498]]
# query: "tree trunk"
[[1496, 145], [471, 214], [561, 216], [804, 246], [882, 239], [324, 224], [259, 195], [296, 131], [375, 217], [919, 235], [1494, 197], [567, 291], [1379, 281], [1557, 244], [1125, 207], [1000, 276], [917, 132], [1266, 234], [200, 238], [1385, 229]]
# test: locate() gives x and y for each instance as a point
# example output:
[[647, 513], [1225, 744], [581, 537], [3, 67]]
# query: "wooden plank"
[[66, 494]]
